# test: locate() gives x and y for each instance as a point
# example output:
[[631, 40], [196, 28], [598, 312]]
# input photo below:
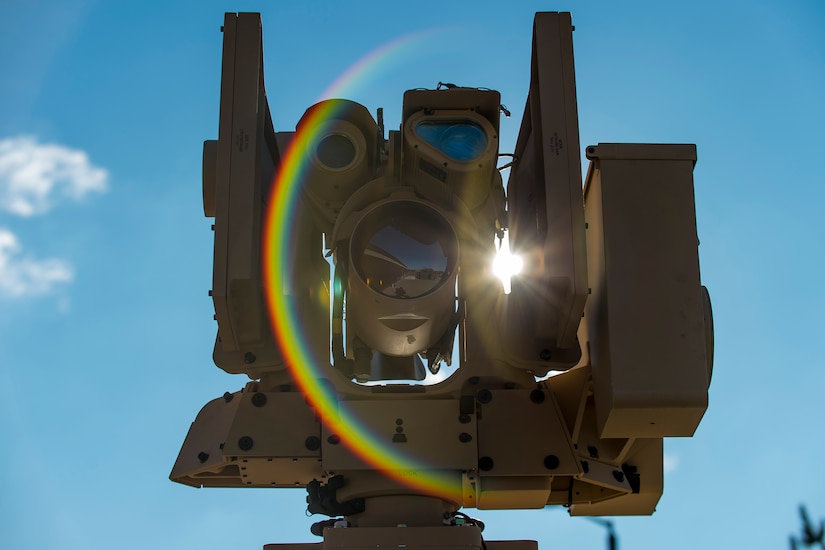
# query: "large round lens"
[[463, 140], [404, 249], [336, 151]]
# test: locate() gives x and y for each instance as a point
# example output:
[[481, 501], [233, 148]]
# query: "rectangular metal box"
[[645, 317]]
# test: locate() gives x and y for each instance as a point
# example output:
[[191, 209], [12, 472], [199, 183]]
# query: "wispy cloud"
[[34, 175], [33, 178], [22, 275]]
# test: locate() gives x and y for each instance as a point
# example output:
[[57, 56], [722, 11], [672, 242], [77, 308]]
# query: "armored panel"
[[427, 433], [646, 314], [546, 219]]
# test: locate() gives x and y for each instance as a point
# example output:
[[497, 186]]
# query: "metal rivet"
[[484, 396], [259, 399], [551, 462]]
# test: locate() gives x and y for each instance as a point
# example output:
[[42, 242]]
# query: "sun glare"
[[505, 264]]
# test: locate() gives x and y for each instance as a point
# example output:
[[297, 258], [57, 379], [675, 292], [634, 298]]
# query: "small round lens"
[[336, 151]]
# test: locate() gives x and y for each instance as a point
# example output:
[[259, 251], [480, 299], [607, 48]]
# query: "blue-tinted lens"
[[460, 140]]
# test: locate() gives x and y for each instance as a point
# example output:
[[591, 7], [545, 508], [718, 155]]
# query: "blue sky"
[[106, 328]]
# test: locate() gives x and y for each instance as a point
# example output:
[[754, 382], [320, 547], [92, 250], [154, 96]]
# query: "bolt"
[[259, 399], [537, 396], [591, 150], [332, 440], [484, 396], [485, 463], [545, 354], [227, 397], [203, 457], [245, 443], [551, 462], [249, 358], [312, 443], [399, 421], [464, 437], [619, 475]]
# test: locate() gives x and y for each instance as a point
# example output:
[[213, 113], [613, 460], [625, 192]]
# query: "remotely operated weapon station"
[[609, 305]]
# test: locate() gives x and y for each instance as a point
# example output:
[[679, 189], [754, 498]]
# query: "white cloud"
[[31, 174], [21, 275]]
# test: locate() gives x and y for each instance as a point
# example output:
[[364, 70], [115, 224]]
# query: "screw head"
[[545, 354], [485, 463], [312, 443], [245, 443], [464, 437], [227, 396], [464, 418], [334, 439], [619, 475], [551, 462], [537, 396], [484, 396], [249, 358], [203, 457], [259, 399]]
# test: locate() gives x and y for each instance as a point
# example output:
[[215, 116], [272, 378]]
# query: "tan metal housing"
[[611, 305]]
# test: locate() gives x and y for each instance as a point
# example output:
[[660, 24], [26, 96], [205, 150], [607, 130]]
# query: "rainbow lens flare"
[[307, 370]]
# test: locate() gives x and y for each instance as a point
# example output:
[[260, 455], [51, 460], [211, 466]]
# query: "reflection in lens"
[[460, 140], [404, 250]]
